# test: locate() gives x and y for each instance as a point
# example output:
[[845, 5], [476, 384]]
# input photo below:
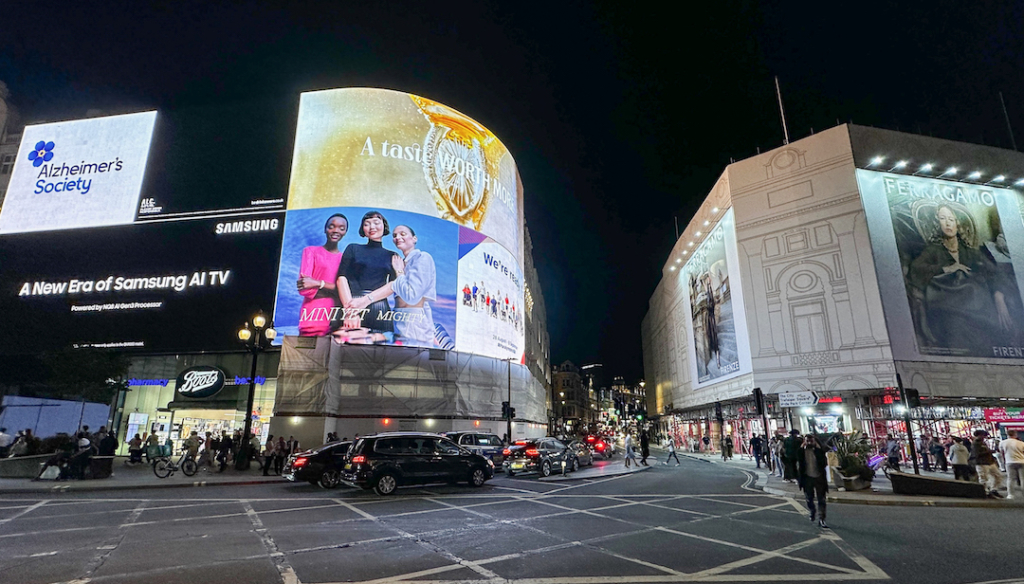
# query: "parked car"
[[485, 444], [605, 447], [540, 455], [383, 462], [583, 452], [319, 466]]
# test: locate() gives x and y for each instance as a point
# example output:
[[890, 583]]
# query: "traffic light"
[[505, 411], [913, 397], [511, 413], [758, 401]]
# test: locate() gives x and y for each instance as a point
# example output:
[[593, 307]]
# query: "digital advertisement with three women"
[[403, 228]]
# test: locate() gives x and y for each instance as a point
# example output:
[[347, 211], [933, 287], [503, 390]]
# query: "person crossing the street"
[[811, 465], [671, 444]]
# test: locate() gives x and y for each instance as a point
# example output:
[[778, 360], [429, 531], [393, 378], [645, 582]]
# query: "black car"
[[540, 455], [320, 466], [485, 444], [383, 462]]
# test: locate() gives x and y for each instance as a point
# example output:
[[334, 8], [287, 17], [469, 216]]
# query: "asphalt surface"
[[694, 522]]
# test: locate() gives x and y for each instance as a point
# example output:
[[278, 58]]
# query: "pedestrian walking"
[[224, 450], [671, 445], [645, 447], [1013, 453], [727, 446], [269, 455], [985, 463], [707, 442], [959, 457], [893, 450], [791, 446], [755, 448], [775, 446], [5, 442], [627, 443], [938, 452], [206, 456], [923, 445], [811, 465], [192, 444], [279, 455]]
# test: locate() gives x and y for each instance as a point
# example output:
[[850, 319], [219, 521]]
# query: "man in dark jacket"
[[224, 450], [811, 465], [645, 447], [790, 454]]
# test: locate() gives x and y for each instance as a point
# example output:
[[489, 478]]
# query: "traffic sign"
[[798, 399]]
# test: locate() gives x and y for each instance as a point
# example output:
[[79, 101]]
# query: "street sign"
[[798, 399]]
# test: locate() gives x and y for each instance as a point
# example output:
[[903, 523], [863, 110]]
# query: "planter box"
[[22, 467], [911, 484], [855, 483]]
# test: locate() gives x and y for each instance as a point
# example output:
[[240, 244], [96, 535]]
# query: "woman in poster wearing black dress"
[[364, 268]]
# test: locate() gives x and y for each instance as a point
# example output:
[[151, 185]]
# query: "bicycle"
[[163, 467]]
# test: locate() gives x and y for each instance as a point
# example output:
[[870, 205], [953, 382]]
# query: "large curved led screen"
[[404, 227]]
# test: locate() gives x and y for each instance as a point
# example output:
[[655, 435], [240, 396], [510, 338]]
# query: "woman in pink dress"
[[317, 276]]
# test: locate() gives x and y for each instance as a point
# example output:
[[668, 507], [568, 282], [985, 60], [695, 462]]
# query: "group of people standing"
[[496, 306], [363, 279], [974, 459]]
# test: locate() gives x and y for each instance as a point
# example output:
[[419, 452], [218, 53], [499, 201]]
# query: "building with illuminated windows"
[[840, 265]]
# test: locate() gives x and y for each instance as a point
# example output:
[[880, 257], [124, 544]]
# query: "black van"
[[383, 462]]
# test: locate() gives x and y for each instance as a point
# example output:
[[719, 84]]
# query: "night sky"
[[620, 115]]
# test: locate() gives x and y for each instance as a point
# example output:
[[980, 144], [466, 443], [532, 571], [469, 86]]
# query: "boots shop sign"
[[199, 382]]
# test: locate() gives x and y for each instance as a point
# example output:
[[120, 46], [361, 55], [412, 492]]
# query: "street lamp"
[[254, 340]]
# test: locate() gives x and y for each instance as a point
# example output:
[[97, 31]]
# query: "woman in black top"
[[364, 269]]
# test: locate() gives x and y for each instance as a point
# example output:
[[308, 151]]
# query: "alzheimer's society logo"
[[43, 152]]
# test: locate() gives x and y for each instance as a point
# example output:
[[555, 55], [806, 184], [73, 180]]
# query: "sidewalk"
[[880, 492], [139, 477]]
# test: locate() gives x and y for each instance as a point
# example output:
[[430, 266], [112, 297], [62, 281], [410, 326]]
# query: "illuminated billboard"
[[169, 286], [717, 319], [948, 256], [80, 173], [404, 227]]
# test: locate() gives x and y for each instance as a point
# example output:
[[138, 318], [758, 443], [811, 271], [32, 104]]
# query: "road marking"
[[354, 509], [26, 511], [284, 568]]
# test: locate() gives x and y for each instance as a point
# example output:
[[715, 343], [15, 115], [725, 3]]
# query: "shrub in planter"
[[853, 451]]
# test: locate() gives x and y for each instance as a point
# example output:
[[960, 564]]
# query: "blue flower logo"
[[42, 153]]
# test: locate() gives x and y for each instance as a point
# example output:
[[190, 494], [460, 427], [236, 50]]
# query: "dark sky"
[[620, 115]]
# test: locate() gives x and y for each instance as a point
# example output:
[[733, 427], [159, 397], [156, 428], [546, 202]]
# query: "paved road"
[[695, 522]]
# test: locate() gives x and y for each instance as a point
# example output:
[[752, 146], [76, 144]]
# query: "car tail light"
[[506, 452], [599, 446], [300, 462], [520, 442], [532, 452], [358, 459]]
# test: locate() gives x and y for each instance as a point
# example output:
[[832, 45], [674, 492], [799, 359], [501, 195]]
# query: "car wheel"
[[545, 468], [575, 465], [477, 477], [329, 479], [385, 484]]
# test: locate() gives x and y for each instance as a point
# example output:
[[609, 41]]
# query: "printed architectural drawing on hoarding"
[[956, 245], [706, 276]]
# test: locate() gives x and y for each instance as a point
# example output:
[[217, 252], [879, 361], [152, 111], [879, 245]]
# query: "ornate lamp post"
[[254, 340]]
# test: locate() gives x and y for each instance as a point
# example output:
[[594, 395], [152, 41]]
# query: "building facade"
[[818, 267]]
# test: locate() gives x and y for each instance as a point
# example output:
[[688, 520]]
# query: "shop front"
[[203, 398]]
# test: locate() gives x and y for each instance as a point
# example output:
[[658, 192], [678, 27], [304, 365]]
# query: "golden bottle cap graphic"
[[461, 162]]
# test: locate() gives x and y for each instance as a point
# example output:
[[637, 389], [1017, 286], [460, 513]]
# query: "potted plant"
[[852, 452]]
